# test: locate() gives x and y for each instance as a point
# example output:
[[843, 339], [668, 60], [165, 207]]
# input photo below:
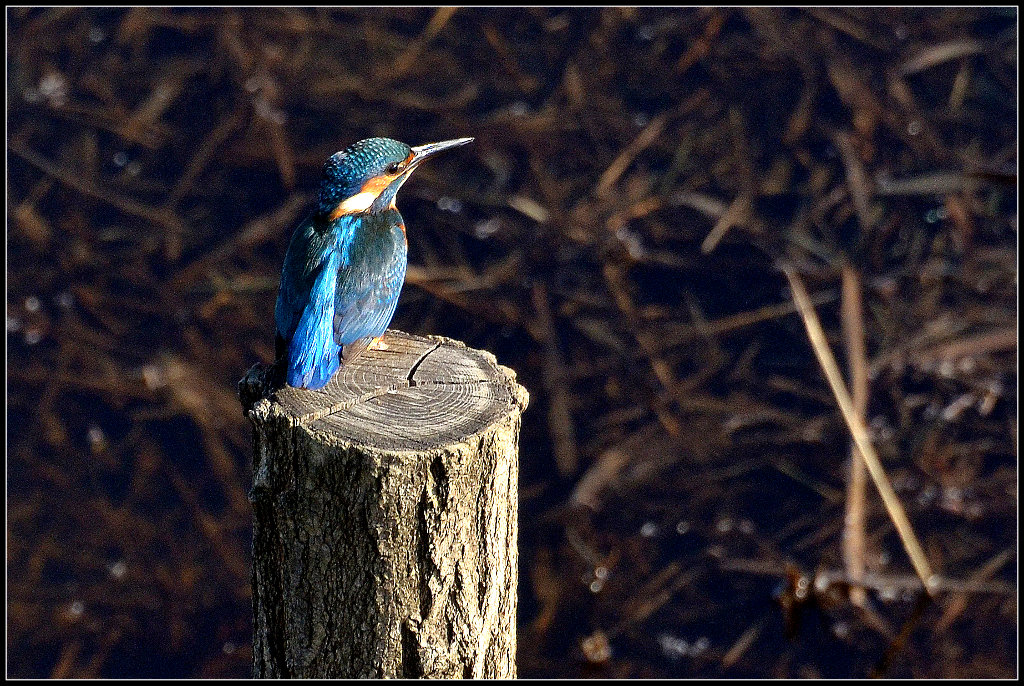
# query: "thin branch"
[[859, 431], [856, 354]]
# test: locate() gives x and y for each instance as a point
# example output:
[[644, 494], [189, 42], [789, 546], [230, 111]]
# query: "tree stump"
[[386, 516]]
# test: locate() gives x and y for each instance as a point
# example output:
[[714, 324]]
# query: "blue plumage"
[[365, 301], [314, 352], [346, 262]]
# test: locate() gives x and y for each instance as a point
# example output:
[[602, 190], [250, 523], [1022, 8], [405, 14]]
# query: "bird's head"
[[366, 175]]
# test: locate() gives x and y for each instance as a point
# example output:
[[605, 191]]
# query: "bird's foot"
[[377, 344]]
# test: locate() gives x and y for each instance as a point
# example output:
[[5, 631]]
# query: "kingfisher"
[[346, 261]]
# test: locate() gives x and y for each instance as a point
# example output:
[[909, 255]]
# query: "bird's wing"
[[365, 303], [307, 253], [368, 288], [304, 315]]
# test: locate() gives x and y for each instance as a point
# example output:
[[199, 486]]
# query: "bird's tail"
[[312, 353]]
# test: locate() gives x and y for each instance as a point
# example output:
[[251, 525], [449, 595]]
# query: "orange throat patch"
[[361, 201]]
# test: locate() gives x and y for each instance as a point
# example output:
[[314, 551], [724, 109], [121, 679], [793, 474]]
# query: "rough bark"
[[386, 516]]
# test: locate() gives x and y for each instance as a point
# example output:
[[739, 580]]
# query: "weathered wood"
[[386, 516]]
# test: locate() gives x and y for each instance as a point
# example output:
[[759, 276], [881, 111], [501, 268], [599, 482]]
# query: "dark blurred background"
[[614, 235]]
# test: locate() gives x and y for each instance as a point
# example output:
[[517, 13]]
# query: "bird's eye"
[[393, 168]]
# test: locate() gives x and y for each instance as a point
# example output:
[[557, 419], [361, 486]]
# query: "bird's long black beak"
[[422, 152]]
